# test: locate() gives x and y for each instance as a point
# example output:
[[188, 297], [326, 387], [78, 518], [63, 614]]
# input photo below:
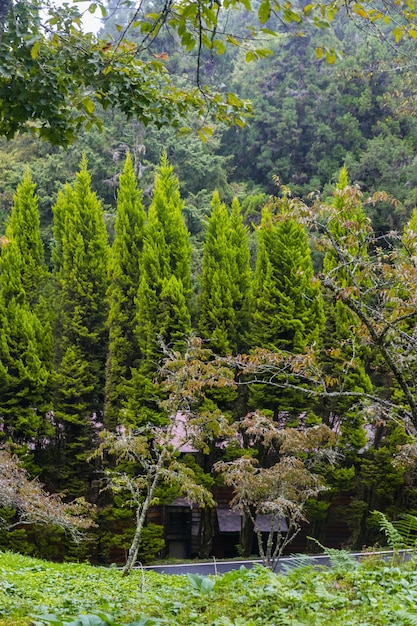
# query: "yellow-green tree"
[[124, 284]]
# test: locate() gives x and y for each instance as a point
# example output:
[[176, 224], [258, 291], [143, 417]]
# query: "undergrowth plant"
[[400, 533]]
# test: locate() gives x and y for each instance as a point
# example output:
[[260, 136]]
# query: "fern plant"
[[401, 533], [340, 560]]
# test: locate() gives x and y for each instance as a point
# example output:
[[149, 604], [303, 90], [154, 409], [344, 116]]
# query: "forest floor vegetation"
[[75, 594]]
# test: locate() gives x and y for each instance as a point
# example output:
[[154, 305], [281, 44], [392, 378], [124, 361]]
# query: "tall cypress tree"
[[80, 257], [164, 291], [225, 279], [24, 228], [218, 319], [241, 274], [346, 360], [24, 340], [287, 307], [124, 285]]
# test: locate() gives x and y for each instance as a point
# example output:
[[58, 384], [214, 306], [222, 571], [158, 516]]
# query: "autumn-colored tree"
[[280, 484], [153, 450], [33, 505]]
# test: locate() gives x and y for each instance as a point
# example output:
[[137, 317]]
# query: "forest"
[[259, 282]]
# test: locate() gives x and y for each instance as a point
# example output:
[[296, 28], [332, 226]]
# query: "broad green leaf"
[[233, 40], [264, 11], [331, 56], [360, 10], [204, 133], [88, 105], [188, 41], [268, 31], [220, 46], [146, 27], [308, 9], [263, 52], [34, 53], [250, 56], [398, 34], [233, 99]]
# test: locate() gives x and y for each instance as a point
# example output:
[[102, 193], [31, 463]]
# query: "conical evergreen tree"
[[168, 208], [24, 228], [124, 285], [287, 307], [26, 340], [23, 374], [225, 279], [80, 257], [241, 274], [164, 291], [346, 360], [218, 316]]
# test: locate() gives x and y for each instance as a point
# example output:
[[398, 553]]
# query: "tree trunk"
[[141, 512], [246, 536]]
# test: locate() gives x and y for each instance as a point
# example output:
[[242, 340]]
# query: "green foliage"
[[343, 357], [203, 584], [124, 284], [350, 594], [71, 74], [287, 307], [401, 533], [24, 375], [163, 297], [225, 280], [80, 258]]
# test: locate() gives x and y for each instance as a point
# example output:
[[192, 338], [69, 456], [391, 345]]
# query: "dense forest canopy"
[[269, 240]]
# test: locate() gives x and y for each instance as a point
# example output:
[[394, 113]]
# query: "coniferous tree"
[[24, 372], [124, 284], [164, 291], [225, 279], [241, 273], [346, 357], [287, 307], [218, 319], [80, 258], [24, 227]]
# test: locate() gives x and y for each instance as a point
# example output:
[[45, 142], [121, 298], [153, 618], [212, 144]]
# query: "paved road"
[[220, 567]]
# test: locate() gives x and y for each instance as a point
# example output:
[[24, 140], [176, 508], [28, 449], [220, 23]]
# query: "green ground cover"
[[349, 594]]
